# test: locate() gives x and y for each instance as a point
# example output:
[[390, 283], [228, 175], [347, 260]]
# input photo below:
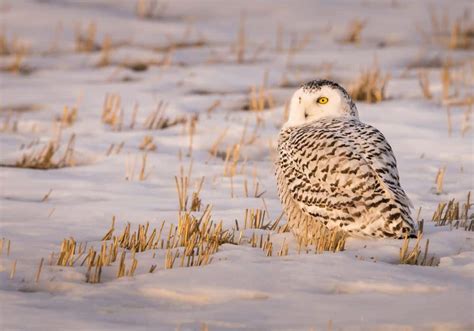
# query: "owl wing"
[[345, 174]]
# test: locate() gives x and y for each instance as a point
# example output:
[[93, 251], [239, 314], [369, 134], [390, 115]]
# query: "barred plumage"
[[335, 170]]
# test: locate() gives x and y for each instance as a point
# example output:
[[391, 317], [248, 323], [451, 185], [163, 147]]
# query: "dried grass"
[[440, 180], [112, 113], [182, 187], [370, 85], [147, 144], [10, 122], [105, 52], [44, 158], [457, 34], [232, 157], [16, 49], [259, 97], [320, 238], [354, 31], [450, 213], [414, 256], [150, 9], [424, 81], [157, 120], [130, 166], [85, 38], [68, 116], [240, 46]]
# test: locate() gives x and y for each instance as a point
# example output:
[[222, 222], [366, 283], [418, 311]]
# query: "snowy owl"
[[332, 169]]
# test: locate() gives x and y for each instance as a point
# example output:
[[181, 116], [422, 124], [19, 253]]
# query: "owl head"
[[320, 99]]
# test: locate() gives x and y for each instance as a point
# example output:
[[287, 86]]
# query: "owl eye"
[[322, 100]]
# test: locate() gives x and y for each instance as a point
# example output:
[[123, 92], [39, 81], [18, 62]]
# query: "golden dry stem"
[[38, 272], [147, 144], [370, 85], [8, 244], [192, 130], [444, 32], [195, 199], [232, 157], [17, 49], [212, 107], [68, 116], [86, 39], [112, 113], [105, 52], [424, 81], [259, 99], [13, 270], [446, 80], [143, 175], [108, 235], [450, 213], [440, 179], [44, 158], [157, 120], [466, 122], [354, 31], [215, 146], [182, 185], [115, 149], [313, 235], [413, 256], [67, 252], [241, 40], [148, 9], [10, 122]]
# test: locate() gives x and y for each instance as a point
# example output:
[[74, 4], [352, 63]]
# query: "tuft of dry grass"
[[149, 9], [259, 97], [182, 187], [105, 52], [10, 122], [68, 116], [452, 214], [17, 50], [370, 85], [130, 166], [157, 120], [85, 38], [447, 33], [44, 158], [321, 239], [147, 144], [112, 113], [232, 157], [354, 31], [414, 256]]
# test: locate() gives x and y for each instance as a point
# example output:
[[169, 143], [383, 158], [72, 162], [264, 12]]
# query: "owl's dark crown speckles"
[[317, 84]]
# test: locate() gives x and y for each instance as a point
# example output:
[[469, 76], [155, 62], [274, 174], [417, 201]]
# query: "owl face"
[[317, 100]]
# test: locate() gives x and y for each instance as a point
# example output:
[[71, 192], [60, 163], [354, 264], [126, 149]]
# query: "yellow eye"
[[322, 100]]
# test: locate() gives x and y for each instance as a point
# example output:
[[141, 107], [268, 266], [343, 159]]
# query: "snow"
[[361, 288]]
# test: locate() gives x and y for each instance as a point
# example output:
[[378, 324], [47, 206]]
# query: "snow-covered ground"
[[361, 288]]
